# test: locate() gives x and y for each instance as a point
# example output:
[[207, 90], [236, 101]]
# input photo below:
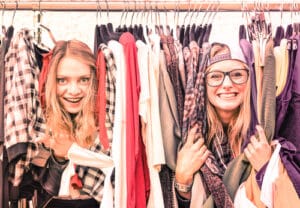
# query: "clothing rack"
[[158, 5]]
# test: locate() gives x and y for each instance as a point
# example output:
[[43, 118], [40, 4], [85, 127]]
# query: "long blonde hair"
[[240, 123], [82, 128]]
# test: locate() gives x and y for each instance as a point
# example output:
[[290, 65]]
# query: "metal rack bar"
[[118, 5]]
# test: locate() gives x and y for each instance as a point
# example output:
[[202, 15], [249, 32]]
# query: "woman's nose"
[[227, 81], [74, 88]]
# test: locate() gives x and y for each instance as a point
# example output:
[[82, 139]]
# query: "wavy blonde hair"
[[240, 123], [83, 126]]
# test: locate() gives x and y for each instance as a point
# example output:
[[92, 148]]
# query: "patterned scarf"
[[195, 115]]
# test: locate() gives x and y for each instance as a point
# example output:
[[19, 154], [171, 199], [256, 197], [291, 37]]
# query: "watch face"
[[183, 187]]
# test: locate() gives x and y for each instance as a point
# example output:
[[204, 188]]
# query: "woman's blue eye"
[[60, 80], [216, 76], [85, 80]]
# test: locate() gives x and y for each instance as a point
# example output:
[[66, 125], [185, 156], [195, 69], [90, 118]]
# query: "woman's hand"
[[190, 158], [60, 144], [258, 151]]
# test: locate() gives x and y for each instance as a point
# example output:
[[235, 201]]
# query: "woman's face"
[[226, 96], [73, 83]]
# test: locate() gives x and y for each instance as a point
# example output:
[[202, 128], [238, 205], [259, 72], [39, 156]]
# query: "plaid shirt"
[[110, 86], [22, 111], [92, 178]]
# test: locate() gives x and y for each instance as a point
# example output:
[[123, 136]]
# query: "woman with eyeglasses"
[[227, 81]]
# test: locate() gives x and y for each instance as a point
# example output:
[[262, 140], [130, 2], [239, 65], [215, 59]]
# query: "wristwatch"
[[183, 187]]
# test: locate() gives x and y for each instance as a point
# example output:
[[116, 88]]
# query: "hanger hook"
[[3, 10], [98, 14], [188, 12], [107, 10], [13, 17], [217, 10], [281, 12], [206, 11], [40, 6], [192, 13], [143, 12], [212, 12], [123, 12], [157, 14], [133, 13], [126, 10], [166, 14]]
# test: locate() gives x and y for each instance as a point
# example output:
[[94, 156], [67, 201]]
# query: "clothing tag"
[[295, 44]]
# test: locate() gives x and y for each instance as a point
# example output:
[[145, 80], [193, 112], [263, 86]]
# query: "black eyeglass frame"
[[226, 74]]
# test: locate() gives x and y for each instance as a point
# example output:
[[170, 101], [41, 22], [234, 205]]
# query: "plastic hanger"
[[3, 28], [144, 21]]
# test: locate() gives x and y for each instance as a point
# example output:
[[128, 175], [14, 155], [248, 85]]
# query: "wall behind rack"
[[81, 24]]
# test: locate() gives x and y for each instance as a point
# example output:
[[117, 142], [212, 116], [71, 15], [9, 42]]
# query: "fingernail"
[[258, 127]]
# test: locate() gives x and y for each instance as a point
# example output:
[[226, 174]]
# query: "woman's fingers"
[[258, 151], [191, 136], [261, 134]]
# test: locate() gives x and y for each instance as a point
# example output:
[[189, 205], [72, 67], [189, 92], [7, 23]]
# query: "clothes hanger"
[[119, 28], [138, 25], [210, 23], [109, 24], [158, 26], [204, 27], [192, 35], [144, 24], [98, 36], [14, 13], [47, 29], [242, 28], [3, 5], [187, 13], [167, 26], [3, 28], [39, 27], [186, 36], [134, 26], [199, 27], [174, 24], [112, 34]]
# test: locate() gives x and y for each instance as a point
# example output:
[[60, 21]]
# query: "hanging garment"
[[285, 194], [149, 112], [268, 93], [24, 121], [110, 90], [85, 158], [101, 99], [119, 126], [178, 48], [271, 173], [138, 183], [5, 42], [282, 65], [247, 50], [43, 77], [170, 131], [173, 71], [288, 117]]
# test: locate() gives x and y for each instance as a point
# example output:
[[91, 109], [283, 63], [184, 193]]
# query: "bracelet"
[[183, 187], [60, 161]]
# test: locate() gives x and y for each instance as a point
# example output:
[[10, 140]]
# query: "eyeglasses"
[[237, 76]]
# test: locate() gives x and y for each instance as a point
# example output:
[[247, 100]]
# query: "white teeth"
[[73, 100], [227, 95]]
